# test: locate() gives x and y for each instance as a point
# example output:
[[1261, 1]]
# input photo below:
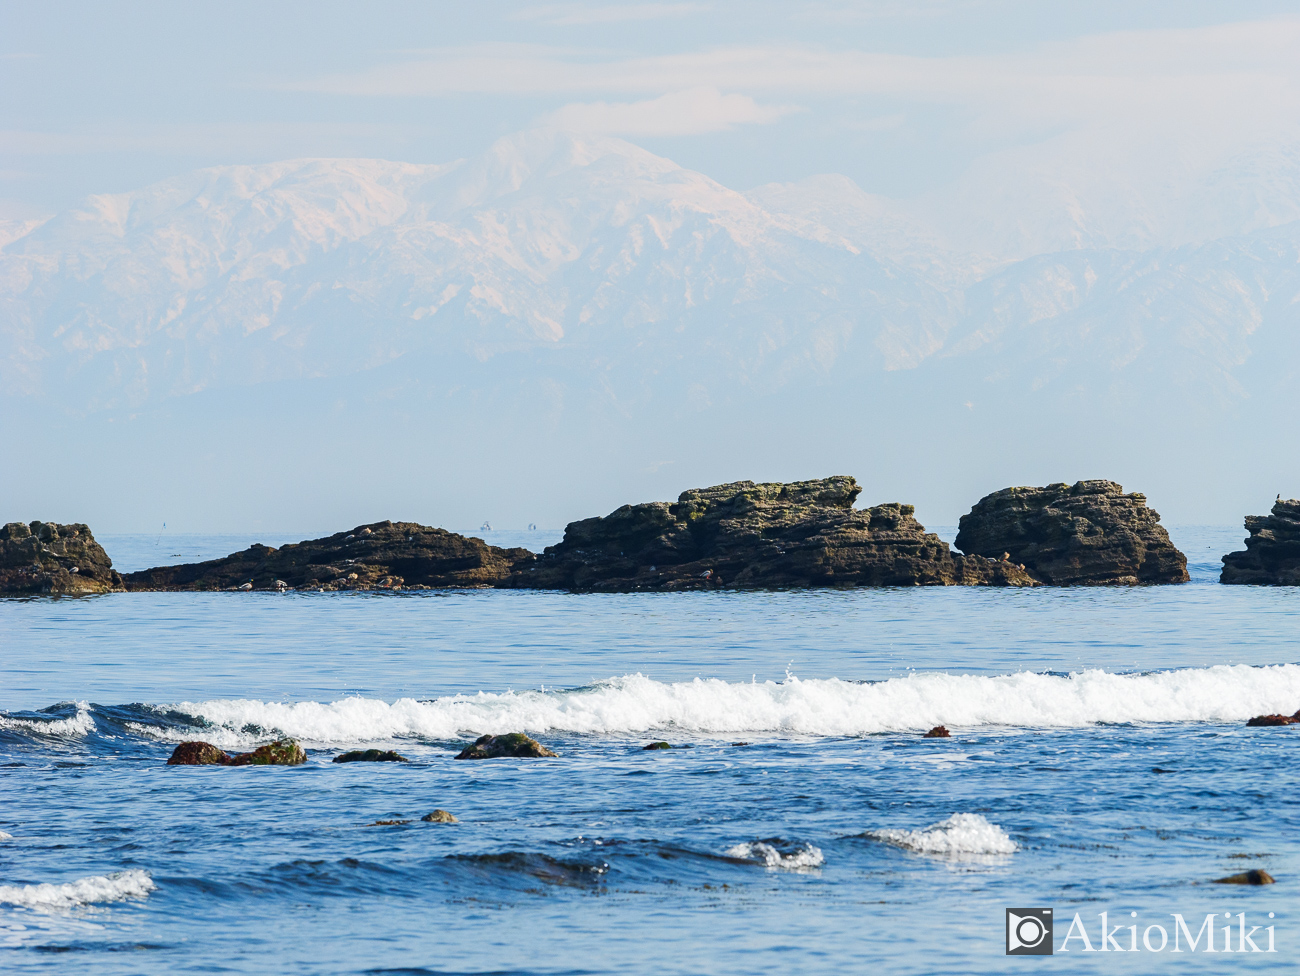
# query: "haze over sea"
[[1099, 761]]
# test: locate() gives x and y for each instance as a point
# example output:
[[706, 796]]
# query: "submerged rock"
[[938, 732], [1272, 554], [1088, 533], [198, 754], [1265, 720], [755, 536], [439, 816], [282, 752], [656, 745], [48, 558], [513, 744], [1251, 877], [370, 755], [379, 556]]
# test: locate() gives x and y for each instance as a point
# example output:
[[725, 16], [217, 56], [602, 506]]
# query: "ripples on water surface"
[[1099, 762]]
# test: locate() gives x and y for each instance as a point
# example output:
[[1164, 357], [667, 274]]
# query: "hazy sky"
[[901, 95]]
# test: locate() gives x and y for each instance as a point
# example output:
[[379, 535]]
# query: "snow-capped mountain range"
[[590, 245], [584, 288]]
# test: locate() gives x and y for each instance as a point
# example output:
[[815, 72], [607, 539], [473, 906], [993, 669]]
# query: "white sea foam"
[[960, 834], [84, 891], [76, 725], [4, 836], [802, 857], [635, 703]]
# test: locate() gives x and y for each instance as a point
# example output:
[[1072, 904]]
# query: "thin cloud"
[[575, 14], [682, 113], [1105, 71]]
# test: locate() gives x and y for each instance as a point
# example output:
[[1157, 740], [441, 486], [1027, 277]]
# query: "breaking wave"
[[635, 703], [84, 891], [80, 723], [962, 833], [777, 854]]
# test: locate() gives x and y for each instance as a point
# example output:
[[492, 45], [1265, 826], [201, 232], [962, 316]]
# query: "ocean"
[[1099, 763]]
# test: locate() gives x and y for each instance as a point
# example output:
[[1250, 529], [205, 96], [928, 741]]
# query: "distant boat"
[[485, 527], [532, 526]]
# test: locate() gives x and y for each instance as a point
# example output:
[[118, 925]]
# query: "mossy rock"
[[282, 752], [198, 754], [514, 745], [439, 816]]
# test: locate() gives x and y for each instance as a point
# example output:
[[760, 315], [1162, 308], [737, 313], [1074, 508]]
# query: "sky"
[[903, 96]]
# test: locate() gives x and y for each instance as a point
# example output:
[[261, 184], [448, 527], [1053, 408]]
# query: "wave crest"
[[84, 891], [777, 854], [962, 833], [635, 703]]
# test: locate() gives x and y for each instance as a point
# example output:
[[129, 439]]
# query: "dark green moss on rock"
[[511, 745], [1090, 533], [757, 536], [378, 556], [53, 559]]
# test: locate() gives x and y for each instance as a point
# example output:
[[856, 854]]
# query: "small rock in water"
[[370, 755], [938, 732], [1263, 720], [198, 754], [282, 752], [389, 823], [439, 816], [1251, 877], [513, 744], [656, 745]]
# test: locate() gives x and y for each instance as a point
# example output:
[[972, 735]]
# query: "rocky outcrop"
[[1252, 877], [938, 732], [282, 752], [1272, 554], [198, 754], [44, 557], [378, 556], [1263, 721], [1088, 533], [370, 755], [511, 745], [757, 536], [439, 816]]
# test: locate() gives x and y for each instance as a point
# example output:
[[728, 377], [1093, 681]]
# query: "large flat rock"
[[1272, 553], [1088, 533], [757, 536], [381, 555]]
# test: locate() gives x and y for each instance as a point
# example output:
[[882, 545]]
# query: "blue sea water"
[[1099, 763]]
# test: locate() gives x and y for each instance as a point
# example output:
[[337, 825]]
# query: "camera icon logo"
[[1029, 931]]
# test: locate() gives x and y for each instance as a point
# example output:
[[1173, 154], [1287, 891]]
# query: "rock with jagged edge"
[[1272, 553], [744, 535], [53, 559], [1089, 533]]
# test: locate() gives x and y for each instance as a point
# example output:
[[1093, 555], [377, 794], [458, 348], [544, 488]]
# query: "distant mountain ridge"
[[594, 249]]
